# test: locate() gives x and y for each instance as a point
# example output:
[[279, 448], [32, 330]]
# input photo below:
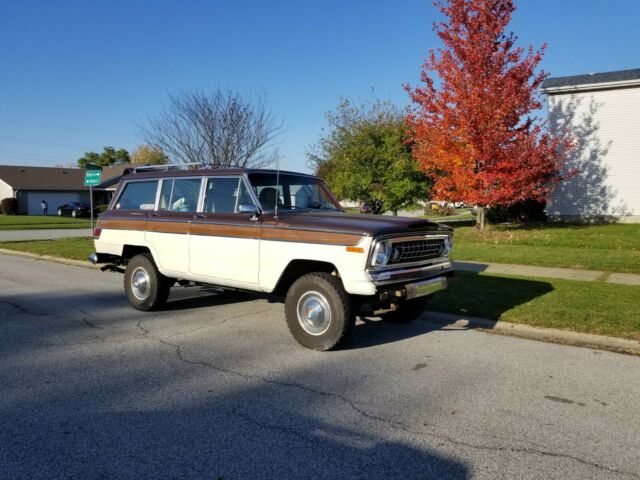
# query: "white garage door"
[[54, 199]]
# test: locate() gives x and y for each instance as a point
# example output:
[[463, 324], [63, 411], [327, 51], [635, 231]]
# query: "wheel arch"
[[130, 251], [299, 267]]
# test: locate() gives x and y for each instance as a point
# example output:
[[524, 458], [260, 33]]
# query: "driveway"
[[215, 387], [43, 234]]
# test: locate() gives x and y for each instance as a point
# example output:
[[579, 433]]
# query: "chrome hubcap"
[[314, 314], [140, 283]]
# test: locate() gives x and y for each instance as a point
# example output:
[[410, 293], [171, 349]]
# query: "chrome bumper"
[[408, 274], [428, 287]]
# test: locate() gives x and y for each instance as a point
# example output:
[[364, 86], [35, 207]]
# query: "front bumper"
[[425, 288], [411, 274]]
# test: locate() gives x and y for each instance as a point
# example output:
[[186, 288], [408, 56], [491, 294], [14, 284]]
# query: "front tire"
[[59, 212], [146, 288], [318, 311], [73, 213]]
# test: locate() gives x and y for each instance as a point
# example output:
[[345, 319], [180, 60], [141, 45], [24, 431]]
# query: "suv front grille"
[[415, 251]]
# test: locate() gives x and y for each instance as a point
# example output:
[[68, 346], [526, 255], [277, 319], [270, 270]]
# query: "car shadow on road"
[[201, 297], [470, 294]]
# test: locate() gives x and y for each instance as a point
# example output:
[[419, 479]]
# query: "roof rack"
[[172, 166]]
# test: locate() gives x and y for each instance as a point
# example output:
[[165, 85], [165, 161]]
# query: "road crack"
[[182, 357]]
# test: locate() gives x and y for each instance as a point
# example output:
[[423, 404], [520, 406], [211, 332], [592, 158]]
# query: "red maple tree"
[[475, 129]]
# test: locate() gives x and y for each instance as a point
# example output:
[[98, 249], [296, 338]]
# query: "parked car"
[[76, 209], [281, 233]]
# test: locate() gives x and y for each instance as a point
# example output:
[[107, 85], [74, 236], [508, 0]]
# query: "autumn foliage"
[[473, 119]]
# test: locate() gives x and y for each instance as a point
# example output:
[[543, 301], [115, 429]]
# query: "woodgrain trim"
[[222, 230], [239, 231], [122, 224], [309, 236], [168, 227]]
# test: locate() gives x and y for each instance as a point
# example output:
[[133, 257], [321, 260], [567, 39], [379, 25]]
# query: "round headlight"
[[381, 254]]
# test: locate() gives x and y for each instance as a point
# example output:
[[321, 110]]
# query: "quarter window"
[[138, 196], [225, 195], [180, 195]]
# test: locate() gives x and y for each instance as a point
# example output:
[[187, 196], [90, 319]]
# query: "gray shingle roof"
[[53, 178], [592, 78], [42, 178]]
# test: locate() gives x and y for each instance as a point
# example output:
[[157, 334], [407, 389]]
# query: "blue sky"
[[78, 75]]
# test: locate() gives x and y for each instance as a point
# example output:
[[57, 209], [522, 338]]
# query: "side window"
[[138, 196], [225, 195], [180, 195]]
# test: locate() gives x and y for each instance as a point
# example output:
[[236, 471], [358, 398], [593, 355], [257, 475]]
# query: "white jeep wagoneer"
[[280, 233]]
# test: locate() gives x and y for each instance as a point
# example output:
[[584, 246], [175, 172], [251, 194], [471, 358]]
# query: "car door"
[[224, 244], [169, 224]]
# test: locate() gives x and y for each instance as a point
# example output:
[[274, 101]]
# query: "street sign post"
[[92, 176]]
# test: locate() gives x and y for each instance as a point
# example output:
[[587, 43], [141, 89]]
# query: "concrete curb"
[[49, 258], [564, 337]]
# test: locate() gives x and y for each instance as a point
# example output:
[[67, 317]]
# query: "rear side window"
[[180, 195], [138, 196], [225, 195]]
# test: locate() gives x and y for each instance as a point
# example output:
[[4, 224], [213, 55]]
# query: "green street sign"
[[92, 177]]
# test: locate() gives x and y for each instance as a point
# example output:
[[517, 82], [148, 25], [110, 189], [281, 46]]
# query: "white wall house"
[[601, 111]]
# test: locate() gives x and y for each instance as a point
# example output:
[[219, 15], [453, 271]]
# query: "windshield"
[[292, 192]]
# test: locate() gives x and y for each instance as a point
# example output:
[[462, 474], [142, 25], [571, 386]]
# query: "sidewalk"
[[550, 272], [42, 234]]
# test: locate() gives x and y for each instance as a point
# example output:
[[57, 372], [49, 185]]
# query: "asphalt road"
[[214, 387]]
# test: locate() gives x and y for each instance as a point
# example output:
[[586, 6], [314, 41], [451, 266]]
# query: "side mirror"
[[248, 208]]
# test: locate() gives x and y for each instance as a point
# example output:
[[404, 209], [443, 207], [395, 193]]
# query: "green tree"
[[109, 156], [366, 156], [149, 155]]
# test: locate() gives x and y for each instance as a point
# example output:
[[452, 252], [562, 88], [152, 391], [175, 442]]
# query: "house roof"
[[42, 178], [592, 81], [54, 178]]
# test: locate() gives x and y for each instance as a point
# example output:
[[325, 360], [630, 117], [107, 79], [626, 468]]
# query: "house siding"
[[5, 190], [605, 126]]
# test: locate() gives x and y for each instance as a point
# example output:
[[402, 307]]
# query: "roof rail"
[[167, 167]]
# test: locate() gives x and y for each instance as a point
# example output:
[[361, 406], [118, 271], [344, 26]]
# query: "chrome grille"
[[415, 250]]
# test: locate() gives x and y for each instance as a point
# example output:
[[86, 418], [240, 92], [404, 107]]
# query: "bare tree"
[[220, 128]]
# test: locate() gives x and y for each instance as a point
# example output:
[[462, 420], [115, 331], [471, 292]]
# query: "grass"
[[73, 248], [588, 307], [610, 248], [33, 222]]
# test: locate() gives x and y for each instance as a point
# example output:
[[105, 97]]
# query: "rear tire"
[[59, 212], [318, 311], [73, 213], [408, 311], [146, 288]]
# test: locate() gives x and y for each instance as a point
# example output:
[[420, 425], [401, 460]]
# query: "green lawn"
[[73, 248], [611, 248], [31, 222], [587, 307]]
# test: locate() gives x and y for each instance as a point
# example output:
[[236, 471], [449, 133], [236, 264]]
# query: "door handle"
[[200, 215]]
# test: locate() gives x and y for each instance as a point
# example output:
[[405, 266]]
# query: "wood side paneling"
[[240, 231]]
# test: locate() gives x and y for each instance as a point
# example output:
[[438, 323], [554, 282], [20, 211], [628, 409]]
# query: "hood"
[[372, 225]]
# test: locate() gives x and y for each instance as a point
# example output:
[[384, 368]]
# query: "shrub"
[[102, 208], [526, 211], [9, 206]]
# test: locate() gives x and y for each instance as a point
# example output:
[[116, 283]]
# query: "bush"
[[102, 208], [9, 206], [526, 211]]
